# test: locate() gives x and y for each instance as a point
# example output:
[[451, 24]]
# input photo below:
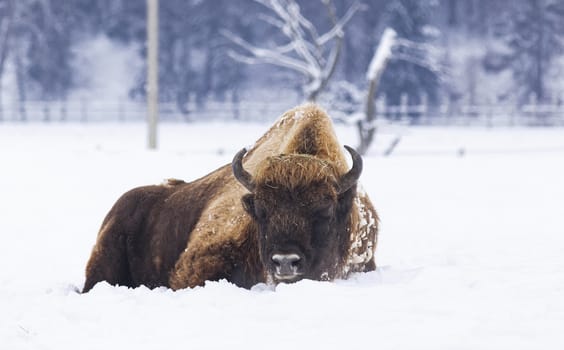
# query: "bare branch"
[[433, 66], [423, 48], [381, 55], [337, 29], [306, 52], [269, 59], [267, 56], [307, 25], [275, 22], [292, 29], [245, 59]]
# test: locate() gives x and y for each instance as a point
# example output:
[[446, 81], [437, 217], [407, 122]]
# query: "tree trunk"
[[366, 128], [382, 55]]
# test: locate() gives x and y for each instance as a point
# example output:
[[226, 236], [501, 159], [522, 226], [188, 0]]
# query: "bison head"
[[301, 207]]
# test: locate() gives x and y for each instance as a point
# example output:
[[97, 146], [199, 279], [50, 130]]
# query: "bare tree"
[[392, 47], [366, 127], [305, 51]]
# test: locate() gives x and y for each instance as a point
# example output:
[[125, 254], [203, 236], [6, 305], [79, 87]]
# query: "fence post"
[[46, 112], [559, 110], [489, 114], [403, 111], [552, 112], [424, 117], [235, 104], [382, 110], [512, 115], [22, 110], [121, 110], [83, 110], [448, 112], [533, 101], [63, 110]]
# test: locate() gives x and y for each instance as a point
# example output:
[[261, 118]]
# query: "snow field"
[[470, 255]]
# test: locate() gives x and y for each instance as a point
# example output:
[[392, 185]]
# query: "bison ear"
[[248, 202]]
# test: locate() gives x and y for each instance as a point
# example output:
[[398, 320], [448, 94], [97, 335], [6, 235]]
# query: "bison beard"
[[298, 214]]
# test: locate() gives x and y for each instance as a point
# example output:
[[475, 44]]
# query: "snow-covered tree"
[[391, 48], [411, 19], [38, 37], [382, 55], [533, 31], [305, 50]]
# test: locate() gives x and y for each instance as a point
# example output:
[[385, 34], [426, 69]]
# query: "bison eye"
[[260, 213], [256, 210], [325, 212]]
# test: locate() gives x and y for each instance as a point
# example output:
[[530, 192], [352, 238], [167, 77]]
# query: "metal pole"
[[152, 70]]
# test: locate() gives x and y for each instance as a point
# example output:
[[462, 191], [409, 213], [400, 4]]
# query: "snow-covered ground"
[[471, 252]]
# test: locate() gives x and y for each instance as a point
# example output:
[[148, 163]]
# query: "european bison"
[[287, 209]]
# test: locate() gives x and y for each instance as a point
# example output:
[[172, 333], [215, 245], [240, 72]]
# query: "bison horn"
[[349, 179], [240, 173]]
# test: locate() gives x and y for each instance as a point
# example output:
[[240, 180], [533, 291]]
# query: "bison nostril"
[[286, 264], [283, 259]]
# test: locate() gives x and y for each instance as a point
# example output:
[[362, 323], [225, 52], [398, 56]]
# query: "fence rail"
[[124, 110]]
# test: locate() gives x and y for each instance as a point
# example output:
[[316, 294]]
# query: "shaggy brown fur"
[[295, 170], [181, 234]]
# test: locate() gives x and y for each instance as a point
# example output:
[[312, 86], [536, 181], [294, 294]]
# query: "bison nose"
[[286, 265]]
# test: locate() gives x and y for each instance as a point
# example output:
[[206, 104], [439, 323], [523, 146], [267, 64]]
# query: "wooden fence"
[[124, 111], [480, 115]]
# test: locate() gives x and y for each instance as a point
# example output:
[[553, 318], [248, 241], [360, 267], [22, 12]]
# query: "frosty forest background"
[[485, 61]]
